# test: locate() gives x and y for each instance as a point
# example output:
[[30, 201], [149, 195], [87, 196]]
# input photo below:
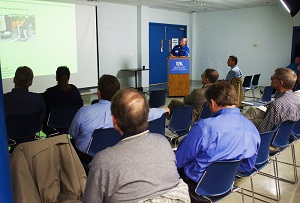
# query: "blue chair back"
[[218, 178], [181, 119], [267, 95], [205, 112], [264, 148], [103, 138], [157, 98], [158, 125], [255, 80], [296, 130], [247, 82], [283, 134]]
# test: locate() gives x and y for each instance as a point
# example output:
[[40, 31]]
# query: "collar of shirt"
[[227, 111], [130, 136], [277, 96], [103, 101]]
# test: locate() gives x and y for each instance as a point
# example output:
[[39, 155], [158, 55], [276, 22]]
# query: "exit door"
[[160, 46]]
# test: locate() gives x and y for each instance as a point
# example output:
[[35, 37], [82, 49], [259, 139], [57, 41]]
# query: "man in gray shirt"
[[141, 167]]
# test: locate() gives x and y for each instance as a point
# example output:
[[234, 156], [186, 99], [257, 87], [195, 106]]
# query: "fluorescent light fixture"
[[285, 6], [292, 6]]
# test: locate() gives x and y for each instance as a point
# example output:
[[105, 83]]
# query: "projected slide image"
[[17, 28], [37, 34]]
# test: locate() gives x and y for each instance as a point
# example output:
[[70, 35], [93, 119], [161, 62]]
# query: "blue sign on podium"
[[179, 66]]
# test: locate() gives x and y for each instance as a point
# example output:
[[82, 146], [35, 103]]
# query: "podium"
[[178, 76]]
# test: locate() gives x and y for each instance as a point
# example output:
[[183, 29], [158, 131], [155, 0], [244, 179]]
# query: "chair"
[[247, 83], [281, 142], [265, 99], [23, 128], [205, 112], [60, 118], [267, 94], [101, 139], [95, 101], [261, 161], [218, 179], [181, 121], [45, 170], [254, 83], [158, 125], [157, 98]]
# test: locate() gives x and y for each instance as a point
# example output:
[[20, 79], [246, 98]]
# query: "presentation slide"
[[44, 35]]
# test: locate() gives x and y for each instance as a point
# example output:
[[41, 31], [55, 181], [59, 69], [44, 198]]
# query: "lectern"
[[178, 76]]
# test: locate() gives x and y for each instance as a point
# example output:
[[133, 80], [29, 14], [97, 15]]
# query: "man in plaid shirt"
[[286, 105]]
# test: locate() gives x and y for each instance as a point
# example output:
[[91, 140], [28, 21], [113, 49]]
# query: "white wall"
[[124, 37], [224, 33]]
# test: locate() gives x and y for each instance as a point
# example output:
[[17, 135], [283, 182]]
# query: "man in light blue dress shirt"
[[227, 135], [234, 72], [89, 118]]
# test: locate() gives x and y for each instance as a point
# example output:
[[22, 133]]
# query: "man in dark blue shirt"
[[181, 49]]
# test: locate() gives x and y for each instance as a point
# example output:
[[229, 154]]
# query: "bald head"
[[130, 110]]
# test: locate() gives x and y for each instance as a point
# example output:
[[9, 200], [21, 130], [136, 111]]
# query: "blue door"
[[160, 46]]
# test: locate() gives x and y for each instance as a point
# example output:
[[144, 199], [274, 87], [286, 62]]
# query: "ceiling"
[[188, 6]]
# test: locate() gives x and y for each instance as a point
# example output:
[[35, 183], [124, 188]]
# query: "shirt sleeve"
[[94, 191], [248, 164], [271, 119], [189, 147], [75, 125], [155, 113]]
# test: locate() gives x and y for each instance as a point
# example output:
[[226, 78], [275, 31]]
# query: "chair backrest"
[[255, 80], [296, 129], [283, 133], [22, 126], [247, 81], [205, 112], [101, 139], [181, 118], [157, 98], [267, 95], [264, 148], [62, 116], [218, 178], [95, 101], [158, 125]]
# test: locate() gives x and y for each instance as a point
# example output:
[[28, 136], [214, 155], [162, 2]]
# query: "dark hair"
[[108, 85], [212, 75], [130, 109], [234, 58], [222, 92], [62, 77], [287, 76], [23, 77]]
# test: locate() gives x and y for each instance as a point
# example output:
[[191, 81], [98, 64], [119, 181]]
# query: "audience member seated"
[[62, 94], [20, 101], [295, 65], [98, 115], [141, 167], [227, 135], [196, 97], [286, 105]]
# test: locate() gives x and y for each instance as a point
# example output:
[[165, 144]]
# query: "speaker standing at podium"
[[181, 49]]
